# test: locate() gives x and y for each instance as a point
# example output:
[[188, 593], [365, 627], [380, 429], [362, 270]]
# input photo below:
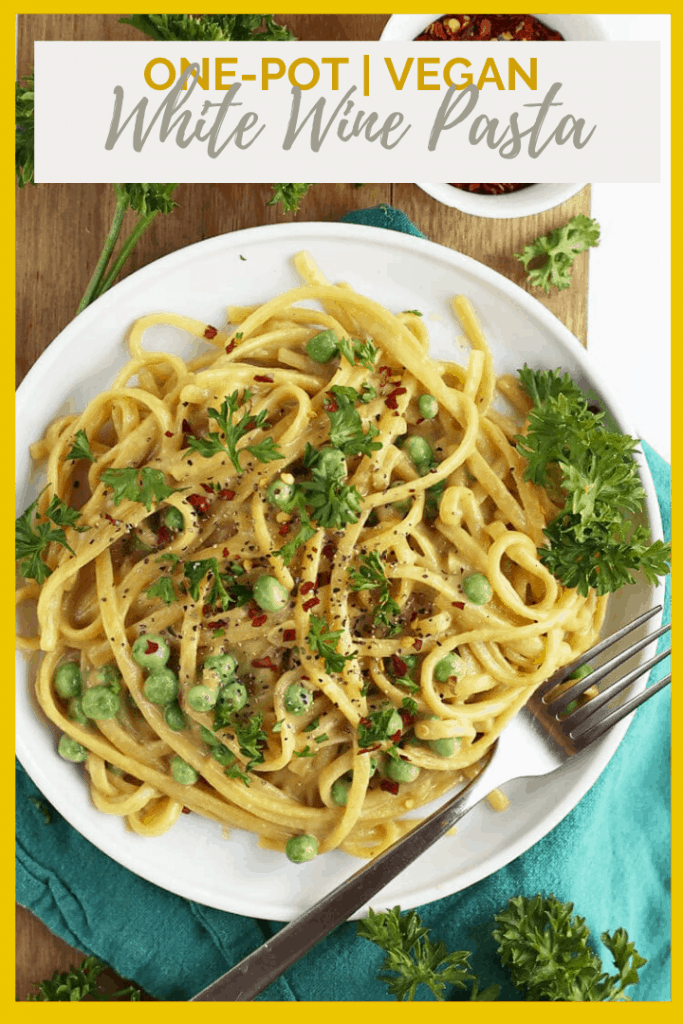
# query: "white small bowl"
[[537, 197]]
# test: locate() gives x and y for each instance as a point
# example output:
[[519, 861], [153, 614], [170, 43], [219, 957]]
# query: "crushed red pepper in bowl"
[[489, 27], [490, 188]]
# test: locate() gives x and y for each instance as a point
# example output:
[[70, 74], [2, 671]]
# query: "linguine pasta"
[[353, 532]]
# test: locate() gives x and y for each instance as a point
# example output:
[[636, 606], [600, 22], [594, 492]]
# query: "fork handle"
[[250, 976]]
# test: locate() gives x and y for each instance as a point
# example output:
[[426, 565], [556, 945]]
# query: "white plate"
[[403, 272]]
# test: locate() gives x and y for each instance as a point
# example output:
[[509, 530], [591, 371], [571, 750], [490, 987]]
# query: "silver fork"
[[538, 741]]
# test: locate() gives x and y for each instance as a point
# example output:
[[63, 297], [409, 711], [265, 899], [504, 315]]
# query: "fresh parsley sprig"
[[24, 101], [593, 542], [80, 449], [371, 576], [209, 28], [33, 536], [147, 201], [412, 958], [233, 432], [560, 248], [346, 426], [145, 485], [224, 590], [547, 953], [78, 982], [324, 641], [289, 196], [545, 948]]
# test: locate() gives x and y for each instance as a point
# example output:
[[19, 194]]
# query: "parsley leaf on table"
[[547, 953], [24, 100], [75, 984], [144, 485], [289, 195], [412, 958], [560, 248], [209, 27], [265, 451], [593, 541]]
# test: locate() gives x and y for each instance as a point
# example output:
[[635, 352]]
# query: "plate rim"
[[309, 231]]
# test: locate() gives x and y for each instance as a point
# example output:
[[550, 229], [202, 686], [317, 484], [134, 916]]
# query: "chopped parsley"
[[130, 483], [323, 641], [81, 448], [231, 432]]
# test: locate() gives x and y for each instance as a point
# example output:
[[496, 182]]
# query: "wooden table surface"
[[61, 229]]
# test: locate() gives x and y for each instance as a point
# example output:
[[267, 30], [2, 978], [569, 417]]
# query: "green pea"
[[444, 747], [301, 848], [322, 347], [201, 698], [209, 737], [269, 594], [106, 675], [71, 750], [449, 665], [428, 406], [75, 711], [151, 651], [174, 717], [281, 494], [340, 791], [419, 453], [401, 771], [161, 686], [477, 588], [233, 697], [395, 724], [100, 702], [68, 680], [298, 699], [174, 519], [183, 772], [581, 672], [224, 664]]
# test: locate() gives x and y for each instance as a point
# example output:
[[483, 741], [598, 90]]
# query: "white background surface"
[[629, 328]]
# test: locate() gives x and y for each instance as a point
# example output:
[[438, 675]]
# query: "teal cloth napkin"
[[609, 856]]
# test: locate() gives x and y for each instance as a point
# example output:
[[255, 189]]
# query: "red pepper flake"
[[417, 644], [263, 379], [375, 746], [226, 553], [305, 588], [396, 737], [364, 721], [289, 635], [226, 494], [163, 535], [264, 663], [169, 433], [109, 518], [328, 550], [199, 502], [210, 332], [207, 609], [400, 667], [310, 604], [388, 786], [187, 429], [406, 717], [207, 487], [330, 405], [391, 401], [458, 604], [151, 647], [218, 624], [284, 529], [259, 620], [186, 810], [229, 348]]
